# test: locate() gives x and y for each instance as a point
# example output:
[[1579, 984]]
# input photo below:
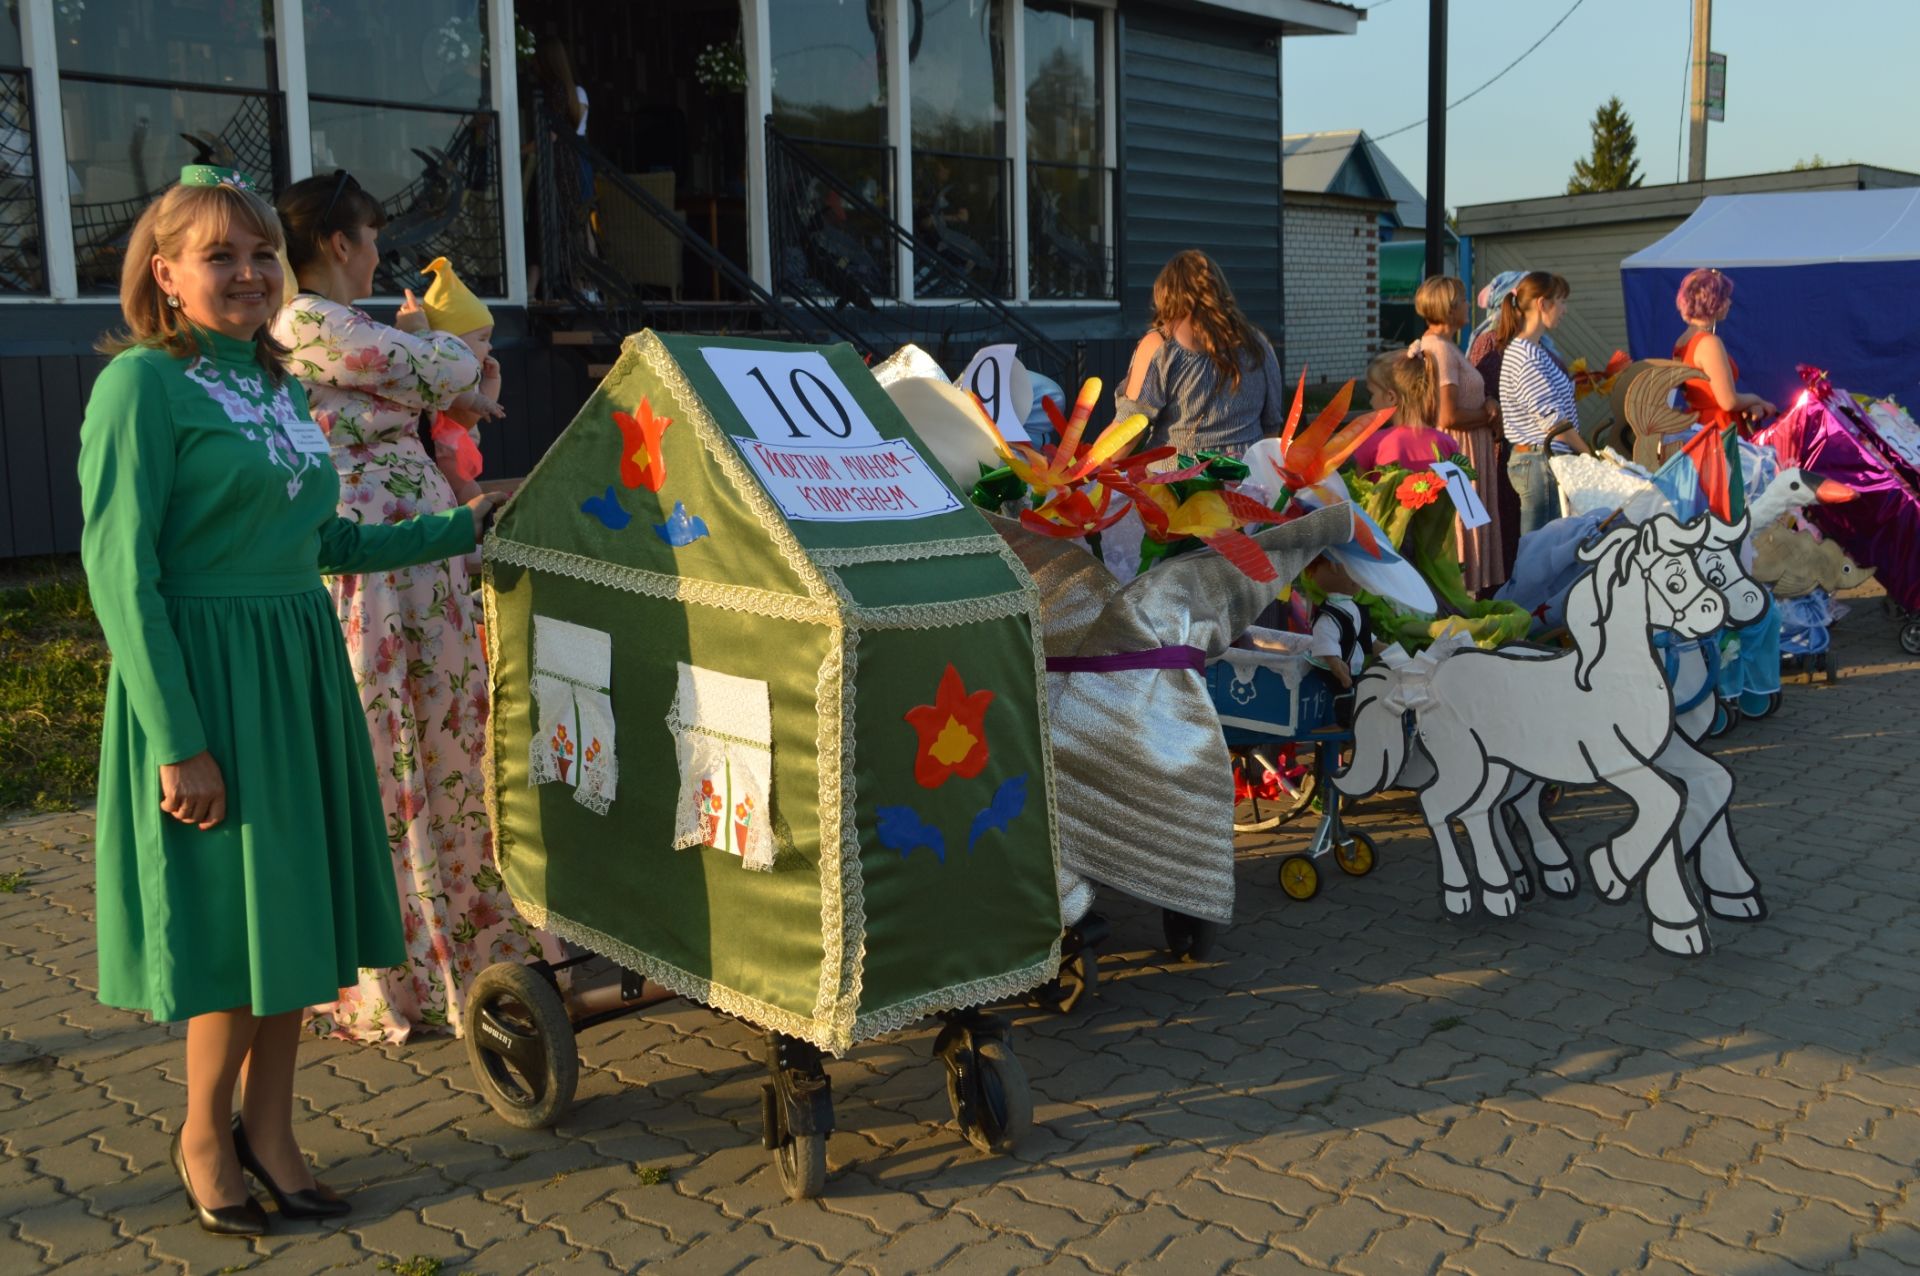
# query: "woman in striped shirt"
[[1536, 395]]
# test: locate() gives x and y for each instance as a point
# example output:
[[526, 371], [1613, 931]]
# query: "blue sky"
[[1837, 78]]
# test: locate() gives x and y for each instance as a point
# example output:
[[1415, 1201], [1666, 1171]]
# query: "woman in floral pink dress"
[[411, 634]]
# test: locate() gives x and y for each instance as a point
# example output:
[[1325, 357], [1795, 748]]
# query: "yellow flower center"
[[952, 745]]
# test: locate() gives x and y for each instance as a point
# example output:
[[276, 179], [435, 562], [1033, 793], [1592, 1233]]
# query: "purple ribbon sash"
[[1180, 657]]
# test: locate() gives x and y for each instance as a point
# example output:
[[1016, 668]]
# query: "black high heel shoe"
[[244, 1219], [318, 1201]]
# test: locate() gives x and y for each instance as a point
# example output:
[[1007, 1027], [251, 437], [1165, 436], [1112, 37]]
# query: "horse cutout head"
[[1719, 561], [1646, 572]]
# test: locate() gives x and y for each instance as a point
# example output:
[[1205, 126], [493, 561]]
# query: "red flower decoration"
[[642, 464], [953, 737], [1417, 490]]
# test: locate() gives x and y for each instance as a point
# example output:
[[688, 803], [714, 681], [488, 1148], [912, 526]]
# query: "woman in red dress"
[[1705, 298]]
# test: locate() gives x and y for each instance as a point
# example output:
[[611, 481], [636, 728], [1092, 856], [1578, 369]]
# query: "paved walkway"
[[1355, 1085]]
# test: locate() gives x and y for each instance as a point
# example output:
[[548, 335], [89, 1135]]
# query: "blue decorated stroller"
[[1272, 704]]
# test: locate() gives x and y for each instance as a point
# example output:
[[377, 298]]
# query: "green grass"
[[53, 682], [650, 1175], [10, 883], [418, 1265]]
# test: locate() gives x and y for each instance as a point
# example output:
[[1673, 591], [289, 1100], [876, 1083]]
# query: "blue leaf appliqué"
[[681, 529], [901, 829], [1008, 801], [612, 515]]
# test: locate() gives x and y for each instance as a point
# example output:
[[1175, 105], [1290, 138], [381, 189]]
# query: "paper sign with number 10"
[[791, 397]]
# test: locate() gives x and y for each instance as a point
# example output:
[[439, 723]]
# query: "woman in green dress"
[[242, 861]]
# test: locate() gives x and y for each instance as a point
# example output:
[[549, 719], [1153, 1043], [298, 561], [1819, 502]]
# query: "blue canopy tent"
[[1828, 278]]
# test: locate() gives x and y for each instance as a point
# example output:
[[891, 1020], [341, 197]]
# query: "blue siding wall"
[[1200, 141]]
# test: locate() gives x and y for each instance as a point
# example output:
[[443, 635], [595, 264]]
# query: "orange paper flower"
[[642, 464], [953, 734], [1417, 490]]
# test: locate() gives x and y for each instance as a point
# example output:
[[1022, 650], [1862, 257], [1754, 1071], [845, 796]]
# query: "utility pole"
[[1697, 128], [1436, 263]]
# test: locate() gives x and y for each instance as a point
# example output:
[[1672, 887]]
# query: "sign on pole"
[[1717, 86]]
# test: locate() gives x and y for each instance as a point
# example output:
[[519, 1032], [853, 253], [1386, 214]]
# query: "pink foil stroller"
[[1826, 433]]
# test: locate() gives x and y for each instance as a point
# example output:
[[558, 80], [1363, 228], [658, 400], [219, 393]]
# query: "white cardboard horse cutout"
[[1600, 713]]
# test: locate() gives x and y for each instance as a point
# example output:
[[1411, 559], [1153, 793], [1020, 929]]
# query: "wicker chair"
[[632, 242]]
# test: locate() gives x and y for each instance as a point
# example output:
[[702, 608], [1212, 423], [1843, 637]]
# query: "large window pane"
[[1069, 187], [437, 175], [417, 52], [962, 207], [213, 42], [829, 69], [125, 145]]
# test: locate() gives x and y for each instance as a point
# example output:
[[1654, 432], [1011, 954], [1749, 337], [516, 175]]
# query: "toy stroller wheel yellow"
[[1299, 878], [1355, 857]]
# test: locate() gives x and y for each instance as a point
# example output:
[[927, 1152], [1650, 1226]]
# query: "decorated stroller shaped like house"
[[769, 732]]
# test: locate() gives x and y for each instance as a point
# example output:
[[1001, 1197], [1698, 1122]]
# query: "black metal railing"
[[832, 243], [22, 262], [591, 284], [963, 216], [1071, 246]]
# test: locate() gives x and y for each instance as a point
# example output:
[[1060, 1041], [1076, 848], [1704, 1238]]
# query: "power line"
[[1498, 75]]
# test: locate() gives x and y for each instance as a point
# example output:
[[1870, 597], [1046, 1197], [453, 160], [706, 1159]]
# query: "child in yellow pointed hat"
[[452, 307]]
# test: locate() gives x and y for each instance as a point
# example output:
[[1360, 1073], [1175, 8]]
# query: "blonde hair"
[[1380, 377], [1414, 386], [1534, 287], [1438, 298], [182, 217], [1191, 287]]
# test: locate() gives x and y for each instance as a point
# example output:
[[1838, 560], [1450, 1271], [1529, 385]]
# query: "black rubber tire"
[[802, 1165], [1910, 638], [1773, 704], [1008, 1099], [1188, 938], [517, 1000]]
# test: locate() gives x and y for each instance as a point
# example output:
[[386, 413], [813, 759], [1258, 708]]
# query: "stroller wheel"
[[1726, 715], [1257, 814], [1355, 857], [802, 1163], [1910, 638], [1773, 704], [1188, 938], [1299, 877], [1001, 1106], [520, 1043]]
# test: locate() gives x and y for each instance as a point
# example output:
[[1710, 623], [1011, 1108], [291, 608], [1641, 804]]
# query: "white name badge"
[[306, 436]]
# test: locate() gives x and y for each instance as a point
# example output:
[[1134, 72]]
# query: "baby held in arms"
[[451, 307]]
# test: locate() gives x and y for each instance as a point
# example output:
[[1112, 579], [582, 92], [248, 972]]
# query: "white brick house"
[[1330, 252]]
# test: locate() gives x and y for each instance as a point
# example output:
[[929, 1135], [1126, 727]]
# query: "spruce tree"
[[1612, 166]]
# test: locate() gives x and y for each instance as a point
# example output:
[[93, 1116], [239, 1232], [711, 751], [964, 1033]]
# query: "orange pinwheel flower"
[[642, 463], [952, 730]]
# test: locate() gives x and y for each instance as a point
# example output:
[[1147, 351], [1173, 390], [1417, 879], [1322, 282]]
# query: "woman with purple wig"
[[1705, 298]]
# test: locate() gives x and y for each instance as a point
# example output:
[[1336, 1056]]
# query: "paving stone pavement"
[[1354, 1084]]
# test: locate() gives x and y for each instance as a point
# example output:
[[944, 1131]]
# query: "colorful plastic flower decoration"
[[1065, 465], [642, 463], [1214, 516], [1419, 490], [1311, 457], [1586, 382], [952, 731]]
